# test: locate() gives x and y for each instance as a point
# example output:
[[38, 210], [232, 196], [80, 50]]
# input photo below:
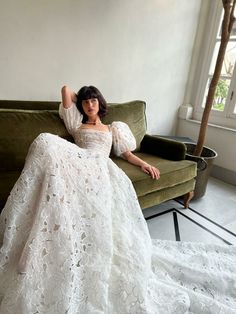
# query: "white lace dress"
[[74, 229]]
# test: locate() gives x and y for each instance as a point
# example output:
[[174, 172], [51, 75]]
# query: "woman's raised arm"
[[68, 97]]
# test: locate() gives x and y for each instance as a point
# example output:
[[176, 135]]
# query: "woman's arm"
[[68, 96], [145, 167]]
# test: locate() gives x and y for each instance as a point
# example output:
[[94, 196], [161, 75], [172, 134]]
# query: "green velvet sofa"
[[22, 121]]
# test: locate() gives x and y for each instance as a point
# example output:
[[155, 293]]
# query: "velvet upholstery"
[[132, 113], [163, 195], [22, 121], [29, 105], [172, 173], [162, 147], [18, 130]]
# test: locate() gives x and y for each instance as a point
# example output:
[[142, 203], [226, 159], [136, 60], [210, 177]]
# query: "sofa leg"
[[187, 198]]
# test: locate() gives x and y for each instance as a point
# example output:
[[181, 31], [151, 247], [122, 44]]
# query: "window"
[[224, 106]]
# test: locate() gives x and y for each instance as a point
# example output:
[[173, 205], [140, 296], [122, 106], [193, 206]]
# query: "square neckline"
[[96, 130]]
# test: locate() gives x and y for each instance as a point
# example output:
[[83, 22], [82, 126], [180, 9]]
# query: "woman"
[[75, 240], [92, 109]]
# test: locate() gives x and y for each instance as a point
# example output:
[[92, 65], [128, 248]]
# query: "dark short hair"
[[88, 92]]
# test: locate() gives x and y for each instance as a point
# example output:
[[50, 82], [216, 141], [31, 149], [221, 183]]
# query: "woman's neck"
[[94, 121]]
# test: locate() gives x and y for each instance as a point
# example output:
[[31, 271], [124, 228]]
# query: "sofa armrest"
[[162, 147]]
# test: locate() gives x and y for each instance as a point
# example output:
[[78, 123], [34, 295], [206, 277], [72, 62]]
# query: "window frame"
[[227, 117]]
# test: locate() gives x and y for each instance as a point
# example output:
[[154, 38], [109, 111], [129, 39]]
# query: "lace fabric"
[[73, 228], [120, 135]]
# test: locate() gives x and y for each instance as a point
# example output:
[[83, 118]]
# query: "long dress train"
[[74, 239]]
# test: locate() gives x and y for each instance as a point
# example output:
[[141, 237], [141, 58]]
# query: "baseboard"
[[223, 174]]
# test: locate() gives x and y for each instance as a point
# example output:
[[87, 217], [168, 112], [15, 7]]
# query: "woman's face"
[[90, 107]]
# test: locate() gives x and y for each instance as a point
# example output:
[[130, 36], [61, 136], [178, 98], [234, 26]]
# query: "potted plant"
[[198, 152]]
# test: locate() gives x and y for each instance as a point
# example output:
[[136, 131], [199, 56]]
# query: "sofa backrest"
[[22, 121], [132, 113]]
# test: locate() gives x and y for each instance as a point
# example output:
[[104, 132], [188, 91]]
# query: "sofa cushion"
[[163, 147], [18, 130], [172, 173], [132, 113], [7, 181], [29, 105], [163, 195]]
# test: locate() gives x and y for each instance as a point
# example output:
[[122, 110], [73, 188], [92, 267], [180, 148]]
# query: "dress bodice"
[[99, 141], [119, 137]]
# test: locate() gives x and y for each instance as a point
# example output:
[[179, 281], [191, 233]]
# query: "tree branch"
[[232, 18], [226, 2], [226, 19]]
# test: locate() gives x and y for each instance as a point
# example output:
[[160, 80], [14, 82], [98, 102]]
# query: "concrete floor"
[[210, 219]]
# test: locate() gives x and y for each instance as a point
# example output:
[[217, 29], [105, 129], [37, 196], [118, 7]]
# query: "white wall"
[[129, 49]]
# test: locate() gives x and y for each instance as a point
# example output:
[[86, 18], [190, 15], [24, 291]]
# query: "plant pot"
[[204, 165]]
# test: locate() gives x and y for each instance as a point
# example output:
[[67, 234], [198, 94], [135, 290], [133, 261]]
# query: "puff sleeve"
[[122, 138], [71, 117]]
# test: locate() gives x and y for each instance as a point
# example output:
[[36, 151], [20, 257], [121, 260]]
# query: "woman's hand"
[[151, 170], [145, 167]]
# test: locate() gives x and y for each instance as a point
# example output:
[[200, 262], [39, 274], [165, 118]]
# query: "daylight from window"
[[224, 91]]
